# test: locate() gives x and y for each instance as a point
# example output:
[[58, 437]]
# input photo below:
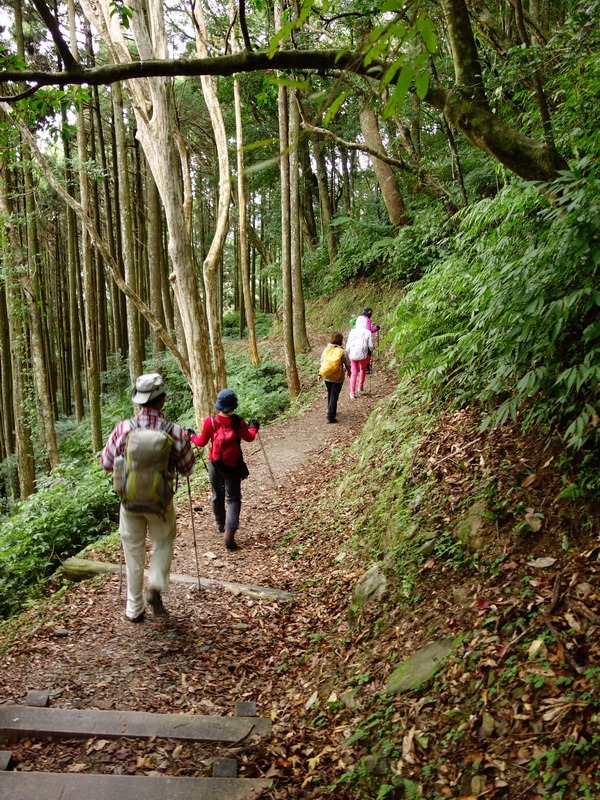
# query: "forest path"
[[214, 648]]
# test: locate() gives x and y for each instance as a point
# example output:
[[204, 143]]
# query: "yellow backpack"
[[332, 368]]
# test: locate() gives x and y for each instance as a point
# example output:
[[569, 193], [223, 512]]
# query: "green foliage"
[[509, 318], [71, 509], [231, 325], [369, 249], [262, 390]]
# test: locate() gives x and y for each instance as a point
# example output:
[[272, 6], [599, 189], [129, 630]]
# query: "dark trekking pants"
[[333, 392], [226, 495]]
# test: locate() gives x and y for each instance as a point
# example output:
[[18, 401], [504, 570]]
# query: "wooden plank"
[[69, 722], [69, 786], [76, 569]]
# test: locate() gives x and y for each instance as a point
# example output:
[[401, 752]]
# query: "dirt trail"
[[214, 648]]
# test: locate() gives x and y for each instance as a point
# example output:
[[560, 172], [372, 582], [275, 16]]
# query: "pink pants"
[[358, 368]]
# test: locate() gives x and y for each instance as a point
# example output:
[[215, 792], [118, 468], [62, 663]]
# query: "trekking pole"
[[264, 452], [120, 566], [193, 531]]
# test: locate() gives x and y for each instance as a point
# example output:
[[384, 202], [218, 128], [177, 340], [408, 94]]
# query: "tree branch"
[[52, 25], [362, 148]]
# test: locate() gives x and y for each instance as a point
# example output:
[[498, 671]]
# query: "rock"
[[420, 667], [469, 528], [371, 586]]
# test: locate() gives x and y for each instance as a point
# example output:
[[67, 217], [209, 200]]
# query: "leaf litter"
[[520, 690]]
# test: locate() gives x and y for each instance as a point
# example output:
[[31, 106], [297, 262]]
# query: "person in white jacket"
[[358, 346]]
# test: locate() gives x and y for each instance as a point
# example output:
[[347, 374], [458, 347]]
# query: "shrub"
[[509, 319], [72, 508]]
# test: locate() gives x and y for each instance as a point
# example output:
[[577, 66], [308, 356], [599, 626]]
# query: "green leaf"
[[335, 106], [394, 104], [282, 80], [390, 74], [422, 84]]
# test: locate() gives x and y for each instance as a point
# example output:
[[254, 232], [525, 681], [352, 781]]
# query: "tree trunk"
[[301, 343], [89, 295], [325, 200], [126, 221], [215, 251], [152, 103], [291, 369], [30, 281], [12, 256], [243, 229], [386, 178], [155, 263]]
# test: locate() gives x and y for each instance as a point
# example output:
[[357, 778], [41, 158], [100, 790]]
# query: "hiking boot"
[[140, 618], [230, 539], [331, 421], [155, 602]]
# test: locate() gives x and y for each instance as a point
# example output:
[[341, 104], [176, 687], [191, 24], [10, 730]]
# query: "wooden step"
[[77, 569], [18, 721], [70, 786]]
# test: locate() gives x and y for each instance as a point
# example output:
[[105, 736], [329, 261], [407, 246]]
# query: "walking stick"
[[120, 566], [264, 452], [193, 531]]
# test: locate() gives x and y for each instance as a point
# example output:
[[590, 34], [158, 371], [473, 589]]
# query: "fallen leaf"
[[534, 522], [541, 563]]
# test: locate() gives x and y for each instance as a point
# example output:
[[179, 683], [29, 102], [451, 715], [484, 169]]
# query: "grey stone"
[[371, 586], [37, 698], [420, 667], [224, 768], [245, 708], [469, 528]]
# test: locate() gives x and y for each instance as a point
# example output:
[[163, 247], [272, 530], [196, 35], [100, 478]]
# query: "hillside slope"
[[512, 713]]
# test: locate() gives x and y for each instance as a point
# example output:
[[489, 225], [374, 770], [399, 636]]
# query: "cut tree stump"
[[16, 721], [69, 786], [78, 569]]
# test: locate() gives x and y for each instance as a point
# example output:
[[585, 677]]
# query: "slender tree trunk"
[[30, 282], [301, 343], [155, 263], [325, 200], [243, 229], [12, 257], [89, 286], [127, 238], [215, 251], [293, 380]]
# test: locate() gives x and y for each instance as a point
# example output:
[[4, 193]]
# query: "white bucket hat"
[[146, 388]]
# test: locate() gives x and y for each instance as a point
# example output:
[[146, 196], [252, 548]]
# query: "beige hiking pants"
[[134, 527]]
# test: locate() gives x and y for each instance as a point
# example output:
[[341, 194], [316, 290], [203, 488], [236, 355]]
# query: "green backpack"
[[146, 485]]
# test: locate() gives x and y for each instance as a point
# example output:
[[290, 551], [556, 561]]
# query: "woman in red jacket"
[[224, 431]]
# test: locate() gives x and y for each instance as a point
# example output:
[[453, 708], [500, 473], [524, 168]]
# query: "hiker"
[[226, 467], [334, 364], [373, 329], [146, 490], [359, 343]]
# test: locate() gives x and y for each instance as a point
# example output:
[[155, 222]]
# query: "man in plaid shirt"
[[149, 394]]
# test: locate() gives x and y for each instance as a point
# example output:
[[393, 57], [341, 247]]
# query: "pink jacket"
[[368, 324]]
